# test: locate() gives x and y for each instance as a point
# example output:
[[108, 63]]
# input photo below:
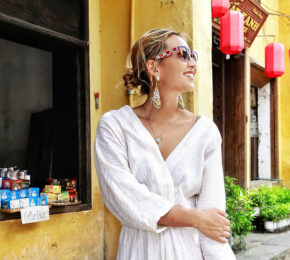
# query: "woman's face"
[[175, 73]]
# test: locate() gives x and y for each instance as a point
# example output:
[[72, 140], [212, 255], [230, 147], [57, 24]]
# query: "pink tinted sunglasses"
[[183, 51]]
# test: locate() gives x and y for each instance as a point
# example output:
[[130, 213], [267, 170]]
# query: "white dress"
[[139, 187]]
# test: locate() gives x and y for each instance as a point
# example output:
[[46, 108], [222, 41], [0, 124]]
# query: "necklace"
[[158, 139]]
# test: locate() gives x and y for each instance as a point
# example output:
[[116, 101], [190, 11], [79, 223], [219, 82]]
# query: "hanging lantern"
[[232, 33], [274, 59], [219, 7]]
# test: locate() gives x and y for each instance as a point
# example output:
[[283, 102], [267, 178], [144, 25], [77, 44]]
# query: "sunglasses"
[[185, 53]]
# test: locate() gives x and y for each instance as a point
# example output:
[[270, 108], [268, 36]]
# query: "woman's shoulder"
[[207, 124], [114, 115]]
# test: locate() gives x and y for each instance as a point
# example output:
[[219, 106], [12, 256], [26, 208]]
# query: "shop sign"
[[254, 18], [34, 214]]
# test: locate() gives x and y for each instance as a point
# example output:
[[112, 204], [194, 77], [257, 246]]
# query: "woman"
[[159, 166]]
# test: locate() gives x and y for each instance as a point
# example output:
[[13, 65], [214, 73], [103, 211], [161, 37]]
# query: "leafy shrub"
[[274, 202], [239, 207]]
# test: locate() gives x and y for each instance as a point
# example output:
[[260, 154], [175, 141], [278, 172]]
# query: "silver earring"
[[180, 101], [155, 98]]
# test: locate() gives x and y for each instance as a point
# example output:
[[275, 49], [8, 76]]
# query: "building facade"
[[250, 109]]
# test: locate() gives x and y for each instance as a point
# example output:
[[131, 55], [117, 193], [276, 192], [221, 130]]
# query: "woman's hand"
[[214, 224]]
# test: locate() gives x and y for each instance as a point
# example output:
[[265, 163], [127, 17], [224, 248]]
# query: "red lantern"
[[274, 59], [219, 7], [232, 32]]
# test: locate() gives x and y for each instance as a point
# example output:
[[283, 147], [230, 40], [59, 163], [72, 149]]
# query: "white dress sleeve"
[[212, 195], [130, 201]]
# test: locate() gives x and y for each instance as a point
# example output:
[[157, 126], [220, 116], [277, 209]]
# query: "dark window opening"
[[44, 103]]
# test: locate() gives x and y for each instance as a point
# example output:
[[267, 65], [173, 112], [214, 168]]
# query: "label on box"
[[24, 203], [33, 201], [33, 192], [14, 195], [34, 214], [10, 204], [7, 184], [5, 194], [14, 204], [24, 193], [42, 201]]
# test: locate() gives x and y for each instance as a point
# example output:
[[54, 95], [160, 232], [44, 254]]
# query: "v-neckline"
[[152, 138]]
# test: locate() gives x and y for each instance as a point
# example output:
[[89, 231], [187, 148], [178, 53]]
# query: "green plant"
[[239, 207], [274, 202], [275, 212]]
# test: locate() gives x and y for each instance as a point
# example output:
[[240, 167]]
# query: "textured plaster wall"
[[69, 236], [284, 116]]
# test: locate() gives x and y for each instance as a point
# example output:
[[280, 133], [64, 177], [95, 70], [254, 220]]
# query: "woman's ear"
[[151, 68]]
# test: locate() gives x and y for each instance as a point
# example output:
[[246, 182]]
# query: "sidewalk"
[[267, 246]]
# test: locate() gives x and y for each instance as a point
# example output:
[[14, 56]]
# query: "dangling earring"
[[155, 98], [180, 101]]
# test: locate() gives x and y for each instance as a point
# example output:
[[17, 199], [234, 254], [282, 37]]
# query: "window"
[[44, 103]]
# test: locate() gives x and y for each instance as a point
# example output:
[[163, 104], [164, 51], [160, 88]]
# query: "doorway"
[[229, 110]]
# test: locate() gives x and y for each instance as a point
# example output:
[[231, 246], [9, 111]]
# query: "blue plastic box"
[[14, 195], [24, 193], [33, 201], [5, 194], [42, 201], [34, 192]]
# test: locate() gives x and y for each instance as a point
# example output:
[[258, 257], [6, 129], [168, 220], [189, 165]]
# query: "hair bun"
[[130, 80]]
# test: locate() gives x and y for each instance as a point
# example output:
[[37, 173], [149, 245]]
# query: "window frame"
[[32, 34]]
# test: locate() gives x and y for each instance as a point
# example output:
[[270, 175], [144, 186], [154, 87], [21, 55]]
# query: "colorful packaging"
[[16, 185], [56, 189], [5, 194], [43, 194], [33, 201], [14, 195], [64, 196], [25, 183], [1, 181], [10, 204], [24, 193], [51, 197], [42, 201], [33, 192], [7, 184], [24, 203]]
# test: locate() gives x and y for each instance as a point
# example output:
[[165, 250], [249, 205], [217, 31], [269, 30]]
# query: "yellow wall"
[[115, 44], [69, 236], [284, 94]]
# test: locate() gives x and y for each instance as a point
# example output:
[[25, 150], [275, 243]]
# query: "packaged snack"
[[24, 203], [51, 197], [14, 194], [10, 204], [24, 193], [7, 184], [33, 192], [16, 185], [5, 194], [64, 196], [33, 201], [42, 201], [56, 189]]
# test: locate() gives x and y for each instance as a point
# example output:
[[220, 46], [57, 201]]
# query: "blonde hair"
[[149, 45]]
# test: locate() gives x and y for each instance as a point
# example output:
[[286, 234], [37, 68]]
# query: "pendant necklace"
[[158, 139]]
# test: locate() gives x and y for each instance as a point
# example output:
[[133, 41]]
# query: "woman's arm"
[[130, 201], [211, 222]]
